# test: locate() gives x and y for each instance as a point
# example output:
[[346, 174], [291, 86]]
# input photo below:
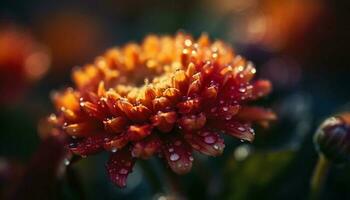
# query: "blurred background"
[[300, 45]]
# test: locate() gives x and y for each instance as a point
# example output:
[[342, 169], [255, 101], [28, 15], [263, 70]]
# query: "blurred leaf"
[[257, 175]]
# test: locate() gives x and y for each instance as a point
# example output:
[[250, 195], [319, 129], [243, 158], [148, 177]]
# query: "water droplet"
[[123, 171], [73, 145], [171, 150], [188, 42], [242, 90], [174, 157], [209, 139], [216, 147], [133, 154], [242, 129], [225, 108], [113, 150], [191, 158], [66, 161]]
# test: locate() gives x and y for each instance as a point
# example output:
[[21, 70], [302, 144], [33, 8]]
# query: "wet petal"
[[81, 129], [146, 148], [240, 131], [206, 141], [177, 153], [192, 122], [138, 132], [261, 88], [189, 106], [89, 145], [164, 121], [92, 109], [119, 166], [116, 142], [235, 129], [115, 125]]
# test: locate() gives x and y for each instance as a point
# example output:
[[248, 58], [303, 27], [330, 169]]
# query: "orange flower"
[[167, 96]]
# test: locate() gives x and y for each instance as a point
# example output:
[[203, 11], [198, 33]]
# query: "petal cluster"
[[168, 96]]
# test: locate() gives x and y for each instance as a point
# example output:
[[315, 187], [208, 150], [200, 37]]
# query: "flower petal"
[[116, 142], [146, 148], [256, 114], [89, 145], [235, 129], [261, 88], [164, 121], [240, 131], [138, 132], [192, 122], [177, 153], [206, 141], [119, 166]]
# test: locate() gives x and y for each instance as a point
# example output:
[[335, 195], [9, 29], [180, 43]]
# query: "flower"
[[332, 138], [168, 96]]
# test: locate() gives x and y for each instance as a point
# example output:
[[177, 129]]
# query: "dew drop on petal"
[[240, 128], [123, 171], [113, 150], [242, 90], [174, 157], [66, 161], [209, 139]]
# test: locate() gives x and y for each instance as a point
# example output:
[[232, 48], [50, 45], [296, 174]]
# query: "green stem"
[[319, 176]]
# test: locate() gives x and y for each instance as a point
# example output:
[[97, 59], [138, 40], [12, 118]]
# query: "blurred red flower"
[[22, 61]]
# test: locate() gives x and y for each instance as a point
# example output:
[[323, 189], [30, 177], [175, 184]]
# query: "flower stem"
[[319, 176]]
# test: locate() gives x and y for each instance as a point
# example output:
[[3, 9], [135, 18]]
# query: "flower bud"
[[332, 138]]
